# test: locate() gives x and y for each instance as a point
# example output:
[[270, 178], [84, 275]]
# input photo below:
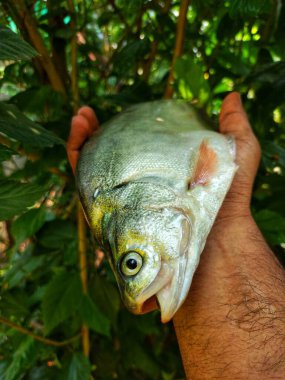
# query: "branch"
[[46, 341], [31, 27], [180, 34]]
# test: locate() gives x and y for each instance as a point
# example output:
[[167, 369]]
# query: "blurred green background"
[[122, 50]]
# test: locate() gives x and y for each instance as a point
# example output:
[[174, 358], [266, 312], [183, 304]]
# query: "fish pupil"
[[132, 263]]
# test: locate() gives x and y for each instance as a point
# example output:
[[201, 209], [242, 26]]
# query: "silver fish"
[[151, 184]]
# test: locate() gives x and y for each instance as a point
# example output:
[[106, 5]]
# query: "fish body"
[[151, 184]]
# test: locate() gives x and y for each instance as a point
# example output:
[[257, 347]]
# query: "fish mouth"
[[165, 292]]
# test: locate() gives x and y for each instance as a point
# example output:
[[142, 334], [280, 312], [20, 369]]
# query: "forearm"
[[232, 325]]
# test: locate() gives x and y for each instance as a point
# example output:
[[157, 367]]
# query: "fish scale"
[[151, 183], [149, 146]]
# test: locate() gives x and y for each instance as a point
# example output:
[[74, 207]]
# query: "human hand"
[[231, 325], [83, 125]]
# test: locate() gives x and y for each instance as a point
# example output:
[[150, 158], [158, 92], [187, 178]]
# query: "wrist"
[[234, 229], [234, 242]]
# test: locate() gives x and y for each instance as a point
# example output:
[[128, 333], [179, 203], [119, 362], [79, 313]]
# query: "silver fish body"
[[151, 198]]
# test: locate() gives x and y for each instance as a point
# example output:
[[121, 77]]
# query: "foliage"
[[12, 47], [124, 51]]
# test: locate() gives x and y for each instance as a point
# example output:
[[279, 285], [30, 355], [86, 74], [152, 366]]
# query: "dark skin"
[[232, 324]]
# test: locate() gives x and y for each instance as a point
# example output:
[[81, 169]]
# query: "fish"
[[151, 183]]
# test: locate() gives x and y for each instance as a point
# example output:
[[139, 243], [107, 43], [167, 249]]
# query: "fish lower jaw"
[[149, 305], [147, 301], [168, 301], [164, 293], [163, 300]]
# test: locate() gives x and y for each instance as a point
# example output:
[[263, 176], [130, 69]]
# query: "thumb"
[[233, 121]]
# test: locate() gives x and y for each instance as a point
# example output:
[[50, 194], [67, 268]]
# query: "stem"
[[180, 35], [83, 271], [46, 341], [81, 224], [82, 247], [31, 27]]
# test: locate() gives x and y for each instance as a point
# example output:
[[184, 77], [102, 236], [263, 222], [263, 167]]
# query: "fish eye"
[[131, 264]]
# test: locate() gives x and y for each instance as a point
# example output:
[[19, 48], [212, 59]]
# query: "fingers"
[[234, 121], [89, 114], [83, 125], [79, 133], [233, 118]]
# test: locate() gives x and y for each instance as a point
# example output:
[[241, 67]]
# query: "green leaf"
[[3, 367], [23, 268], [273, 154], [130, 54], [57, 234], [28, 224], [17, 126], [272, 226], [38, 295], [14, 302], [191, 81], [13, 47], [43, 101], [23, 357], [136, 356], [107, 297], [62, 298], [248, 8], [16, 197], [234, 63], [130, 6], [93, 317], [44, 373], [5, 153], [268, 73], [79, 367]]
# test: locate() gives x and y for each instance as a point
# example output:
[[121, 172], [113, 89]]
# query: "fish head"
[[148, 254]]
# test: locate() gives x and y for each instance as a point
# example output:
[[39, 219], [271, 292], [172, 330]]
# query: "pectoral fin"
[[204, 167]]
